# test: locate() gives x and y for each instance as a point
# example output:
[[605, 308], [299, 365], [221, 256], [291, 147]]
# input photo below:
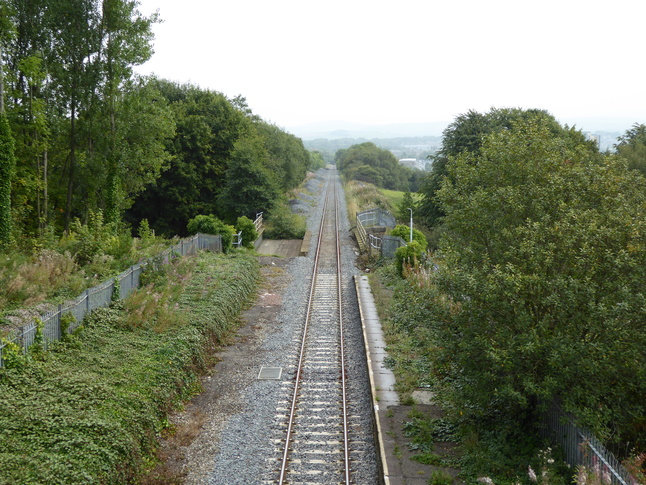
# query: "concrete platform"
[[285, 248], [382, 382]]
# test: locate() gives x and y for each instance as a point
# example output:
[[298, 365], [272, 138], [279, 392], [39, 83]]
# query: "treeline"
[[82, 134], [536, 291], [417, 146], [366, 162]]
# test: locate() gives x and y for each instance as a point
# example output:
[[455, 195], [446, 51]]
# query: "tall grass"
[[361, 196], [85, 257]]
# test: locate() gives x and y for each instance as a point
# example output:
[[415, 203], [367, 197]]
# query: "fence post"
[[60, 317], [87, 301]]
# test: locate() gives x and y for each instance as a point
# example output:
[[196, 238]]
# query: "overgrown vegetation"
[[283, 224], [89, 254], [534, 295], [361, 196], [212, 225], [91, 410]]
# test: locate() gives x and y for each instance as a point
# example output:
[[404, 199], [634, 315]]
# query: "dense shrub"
[[410, 255], [283, 224], [212, 225], [248, 228], [403, 231]]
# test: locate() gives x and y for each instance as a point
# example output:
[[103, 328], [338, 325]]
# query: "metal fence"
[[100, 296], [376, 217], [582, 448], [390, 244], [384, 245]]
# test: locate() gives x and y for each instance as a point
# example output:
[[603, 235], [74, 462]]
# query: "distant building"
[[594, 138], [409, 162]]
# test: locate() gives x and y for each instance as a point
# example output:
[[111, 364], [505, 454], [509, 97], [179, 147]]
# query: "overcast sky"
[[407, 61]]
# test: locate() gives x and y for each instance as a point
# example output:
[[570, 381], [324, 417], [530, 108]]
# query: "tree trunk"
[[70, 180], [45, 219]]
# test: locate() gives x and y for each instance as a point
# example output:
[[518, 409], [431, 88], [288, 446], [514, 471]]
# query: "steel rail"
[[310, 300], [346, 444], [292, 414]]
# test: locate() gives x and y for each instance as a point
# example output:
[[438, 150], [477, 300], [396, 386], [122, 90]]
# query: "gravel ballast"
[[235, 441]]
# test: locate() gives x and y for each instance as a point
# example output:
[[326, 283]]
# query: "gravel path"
[[224, 436]]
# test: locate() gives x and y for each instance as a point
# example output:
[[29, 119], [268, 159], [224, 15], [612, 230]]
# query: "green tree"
[[133, 156], [542, 283], [207, 128], [632, 147], [466, 134], [286, 157], [7, 163], [6, 31], [407, 202], [368, 163], [250, 187], [71, 69], [126, 42], [30, 113], [316, 160], [71, 53]]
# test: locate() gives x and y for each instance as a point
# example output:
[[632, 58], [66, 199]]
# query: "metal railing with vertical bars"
[[581, 447], [99, 296]]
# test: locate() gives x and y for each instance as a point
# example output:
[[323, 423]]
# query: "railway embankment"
[[91, 409]]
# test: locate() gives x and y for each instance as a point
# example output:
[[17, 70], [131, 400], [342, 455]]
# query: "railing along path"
[[315, 447]]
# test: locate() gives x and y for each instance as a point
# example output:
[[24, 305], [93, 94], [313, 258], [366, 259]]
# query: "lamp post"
[[411, 224]]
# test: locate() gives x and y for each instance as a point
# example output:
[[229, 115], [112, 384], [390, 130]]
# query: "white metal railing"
[[258, 223], [361, 233], [375, 242], [237, 240]]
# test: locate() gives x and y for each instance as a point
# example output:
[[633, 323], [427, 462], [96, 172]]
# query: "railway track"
[[315, 445]]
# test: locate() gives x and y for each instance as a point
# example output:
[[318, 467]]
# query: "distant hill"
[[333, 130], [329, 136], [418, 147]]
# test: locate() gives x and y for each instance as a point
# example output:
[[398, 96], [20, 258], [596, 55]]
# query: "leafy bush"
[[212, 225], [249, 233], [67, 320], [409, 255], [403, 231], [85, 241], [145, 232], [283, 224], [12, 355]]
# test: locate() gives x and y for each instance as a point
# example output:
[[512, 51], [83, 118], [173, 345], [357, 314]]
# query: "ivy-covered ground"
[[92, 408]]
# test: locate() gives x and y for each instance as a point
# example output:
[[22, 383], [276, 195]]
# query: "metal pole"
[[411, 224]]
